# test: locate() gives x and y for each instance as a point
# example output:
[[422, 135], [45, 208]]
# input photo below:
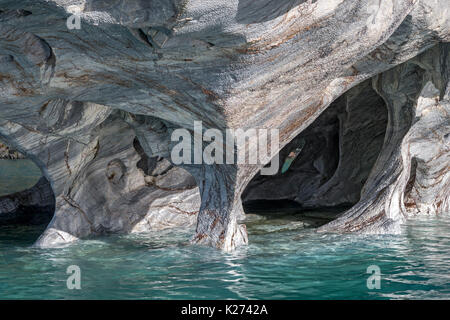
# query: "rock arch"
[[181, 62]]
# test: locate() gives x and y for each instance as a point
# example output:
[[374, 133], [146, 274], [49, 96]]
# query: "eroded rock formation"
[[32, 206], [101, 179], [76, 100], [411, 174], [382, 148], [340, 149]]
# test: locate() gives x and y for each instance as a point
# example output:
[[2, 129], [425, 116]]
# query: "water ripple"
[[285, 260]]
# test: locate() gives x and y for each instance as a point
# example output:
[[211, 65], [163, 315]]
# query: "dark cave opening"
[[27, 201], [323, 170]]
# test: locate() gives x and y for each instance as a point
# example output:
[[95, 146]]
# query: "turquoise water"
[[17, 175], [285, 260]]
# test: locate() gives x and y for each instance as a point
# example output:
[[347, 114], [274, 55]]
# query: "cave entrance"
[[323, 170], [27, 202]]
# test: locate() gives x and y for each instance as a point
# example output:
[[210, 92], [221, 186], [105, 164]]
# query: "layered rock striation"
[[95, 107]]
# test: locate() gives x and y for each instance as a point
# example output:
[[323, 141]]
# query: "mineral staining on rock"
[[94, 108], [7, 153]]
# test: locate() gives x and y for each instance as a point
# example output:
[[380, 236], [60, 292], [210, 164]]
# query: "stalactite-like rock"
[[74, 100]]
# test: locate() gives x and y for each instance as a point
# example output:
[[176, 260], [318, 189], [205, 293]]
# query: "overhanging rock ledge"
[[90, 106]]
